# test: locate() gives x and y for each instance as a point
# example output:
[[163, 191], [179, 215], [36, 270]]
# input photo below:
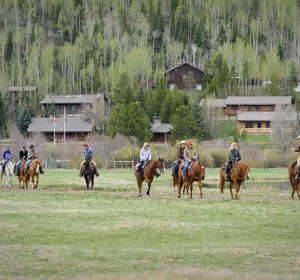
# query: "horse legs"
[[92, 182], [222, 183], [180, 183], [237, 189], [37, 182], [87, 182], [139, 184], [191, 187], [149, 186], [200, 188], [230, 188]]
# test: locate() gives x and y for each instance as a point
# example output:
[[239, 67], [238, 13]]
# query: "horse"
[[196, 173], [9, 171], [148, 173], [33, 173], [240, 172], [23, 176], [292, 171], [88, 172]]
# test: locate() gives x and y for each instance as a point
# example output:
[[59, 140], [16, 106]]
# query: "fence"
[[52, 163], [123, 164]]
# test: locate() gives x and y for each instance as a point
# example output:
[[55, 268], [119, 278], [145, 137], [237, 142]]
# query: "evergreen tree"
[[3, 120], [202, 129], [123, 92], [23, 118], [8, 51]]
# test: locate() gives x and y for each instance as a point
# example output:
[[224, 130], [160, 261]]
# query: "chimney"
[[156, 120]]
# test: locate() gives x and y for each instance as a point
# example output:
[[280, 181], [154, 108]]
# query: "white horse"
[[9, 172]]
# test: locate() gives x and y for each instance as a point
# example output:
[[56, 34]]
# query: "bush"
[[219, 156]]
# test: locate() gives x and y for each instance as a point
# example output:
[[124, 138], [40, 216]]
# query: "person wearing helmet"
[[234, 157], [88, 153], [180, 158], [23, 155], [189, 155], [31, 156], [6, 156]]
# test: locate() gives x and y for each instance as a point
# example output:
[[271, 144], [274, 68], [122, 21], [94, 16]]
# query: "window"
[[259, 125], [184, 76], [248, 125], [268, 125], [198, 87], [171, 86]]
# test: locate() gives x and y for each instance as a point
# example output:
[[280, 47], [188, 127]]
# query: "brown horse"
[[292, 170], [148, 173], [33, 173], [23, 176], [196, 173], [238, 174]]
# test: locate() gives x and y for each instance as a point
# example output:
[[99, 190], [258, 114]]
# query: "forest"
[[124, 47]]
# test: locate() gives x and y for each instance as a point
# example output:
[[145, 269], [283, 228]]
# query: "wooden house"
[[77, 105], [60, 129], [161, 131], [178, 77]]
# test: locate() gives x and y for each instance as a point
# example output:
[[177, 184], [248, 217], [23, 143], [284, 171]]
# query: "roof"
[[265, 116], [259, 100], [213, 102], [70, 99], [161, 128], [72, 125], [180, 65], [18, 88]]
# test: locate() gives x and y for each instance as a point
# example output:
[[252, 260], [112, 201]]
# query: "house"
[[60, 129], [253, 114], [236, 104], [261, 122], [161, 131], [178, 77], [77, 105]]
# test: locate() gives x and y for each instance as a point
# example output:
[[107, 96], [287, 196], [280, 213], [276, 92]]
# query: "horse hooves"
[[148, 193], [139, 195]]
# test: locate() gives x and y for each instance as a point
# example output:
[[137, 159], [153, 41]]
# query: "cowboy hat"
[[146, 144], [182, 142], [85, 145], [31, 146]]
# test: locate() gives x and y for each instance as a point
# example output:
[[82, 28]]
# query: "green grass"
[[62, 231]]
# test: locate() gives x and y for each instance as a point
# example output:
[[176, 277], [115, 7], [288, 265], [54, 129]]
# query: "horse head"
[[202, 170], [243, 170], [88, 167], [161, 164]]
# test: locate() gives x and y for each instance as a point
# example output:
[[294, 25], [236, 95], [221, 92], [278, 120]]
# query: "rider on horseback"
[[234, 157], [145, 156], [7, 155], [23, 155], [297, 177], [180, 158], [189, 155], [88, 155], [32, 156]]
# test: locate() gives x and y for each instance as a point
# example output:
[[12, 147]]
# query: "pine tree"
[[23, 118], [3, 122]]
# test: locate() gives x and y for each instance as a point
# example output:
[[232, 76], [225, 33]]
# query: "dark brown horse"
[[239, 173], [292, 170], [88, 173], [196, 173], [149, 173]]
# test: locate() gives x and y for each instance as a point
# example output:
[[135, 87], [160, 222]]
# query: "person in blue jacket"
[[88, 153], [7, 155]]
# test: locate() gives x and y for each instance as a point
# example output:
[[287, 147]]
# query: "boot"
[[80, 172], [157, 174], [96, 172], [41, 170], [297, 177]]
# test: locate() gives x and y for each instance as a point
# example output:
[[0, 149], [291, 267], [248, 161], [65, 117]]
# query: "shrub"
[[219, 156]]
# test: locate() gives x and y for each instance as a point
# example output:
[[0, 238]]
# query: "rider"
[[234, 156], [180, 158], [23, 154], [32, 156], [298, 161], [88, 153], [145, 156], [189, 155], [7, 155]]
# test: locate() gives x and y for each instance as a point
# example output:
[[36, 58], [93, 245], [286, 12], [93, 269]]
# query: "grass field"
[[62, 231]]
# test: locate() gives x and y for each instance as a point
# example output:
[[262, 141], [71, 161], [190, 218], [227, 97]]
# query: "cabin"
[[161, 131], [254, 114], [261, 122], [62, 129], [179, 77], [76, 105]]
